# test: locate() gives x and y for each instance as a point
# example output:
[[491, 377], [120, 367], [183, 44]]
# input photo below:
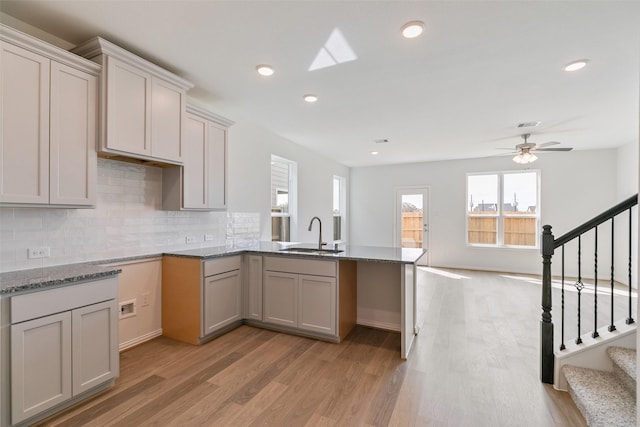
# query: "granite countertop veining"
[[63, 275]]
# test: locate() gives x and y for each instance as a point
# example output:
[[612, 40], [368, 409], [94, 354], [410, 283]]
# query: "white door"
[[412, 219]]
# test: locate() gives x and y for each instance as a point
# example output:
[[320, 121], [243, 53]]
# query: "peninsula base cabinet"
[[200, 298], [301, 294], [65, 356]]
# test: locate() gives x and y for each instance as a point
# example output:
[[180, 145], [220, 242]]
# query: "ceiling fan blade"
[[547, 144], [555, 149]]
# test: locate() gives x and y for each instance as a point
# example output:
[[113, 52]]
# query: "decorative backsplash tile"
[[128, 221]]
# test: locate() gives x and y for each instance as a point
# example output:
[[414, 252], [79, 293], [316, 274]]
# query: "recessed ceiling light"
[[576, 65], [374, 153], [310, 98], [264, 70], [412, 29]]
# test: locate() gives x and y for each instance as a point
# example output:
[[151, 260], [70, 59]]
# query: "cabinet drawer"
[[222, 265], [300, 266], [46, 302]]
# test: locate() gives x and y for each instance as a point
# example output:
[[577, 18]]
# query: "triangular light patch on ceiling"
[[335, 51], [322, 60]]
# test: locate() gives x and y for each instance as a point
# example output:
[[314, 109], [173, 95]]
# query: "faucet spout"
[[320, 242]]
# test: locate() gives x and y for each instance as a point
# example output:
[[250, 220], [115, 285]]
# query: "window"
[[283, 179], [339, 211], [503, 209]]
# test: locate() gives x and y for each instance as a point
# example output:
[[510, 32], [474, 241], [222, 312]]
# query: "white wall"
[[575, 187], [627, 186], [250, 150]]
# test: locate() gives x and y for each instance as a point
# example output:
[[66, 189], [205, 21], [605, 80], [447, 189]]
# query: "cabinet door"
[[40, 365], [317, 304], [73, 162], [95, 345], [195, 163], [222, 300], [254, 287], [168, 107], [217, 182], [24, 126], [281, 298], [128, 108]]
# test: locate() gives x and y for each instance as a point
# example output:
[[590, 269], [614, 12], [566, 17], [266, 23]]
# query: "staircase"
[[606, 398]]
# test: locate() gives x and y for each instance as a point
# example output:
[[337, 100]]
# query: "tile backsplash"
[[128, 221]]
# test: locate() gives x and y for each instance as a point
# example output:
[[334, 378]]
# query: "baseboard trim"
[[139, 340], [379, 325]]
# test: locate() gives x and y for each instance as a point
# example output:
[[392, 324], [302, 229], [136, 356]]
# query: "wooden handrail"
[[604, 216]]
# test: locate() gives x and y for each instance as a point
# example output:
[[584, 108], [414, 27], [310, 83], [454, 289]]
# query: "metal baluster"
[[595, 333], [579, 286], [629, 319], [612, 327], [562, 346]]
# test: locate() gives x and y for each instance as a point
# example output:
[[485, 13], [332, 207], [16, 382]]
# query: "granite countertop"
[[356, 253], [64, 275], [61, 275]]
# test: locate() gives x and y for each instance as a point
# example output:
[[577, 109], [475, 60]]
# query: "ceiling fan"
[[525, 151]]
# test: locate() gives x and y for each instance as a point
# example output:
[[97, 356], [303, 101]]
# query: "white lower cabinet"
[[222, 300], [297, 300], [57, 357], [253, 288], [40, 365], [317, 304], [281, 298]]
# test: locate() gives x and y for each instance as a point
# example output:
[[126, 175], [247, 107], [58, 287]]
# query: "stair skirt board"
[[600, 397], [592, 353]]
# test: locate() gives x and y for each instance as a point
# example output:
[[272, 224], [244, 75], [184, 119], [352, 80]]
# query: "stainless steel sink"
[[313, 251]]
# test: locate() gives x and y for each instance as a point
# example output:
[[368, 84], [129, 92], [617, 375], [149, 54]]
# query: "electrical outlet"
[[42, 252], [145, 299], [191, 239], [208, 237]]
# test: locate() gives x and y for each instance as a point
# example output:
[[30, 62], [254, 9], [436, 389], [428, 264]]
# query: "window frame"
[[500, 213], [292, 192]]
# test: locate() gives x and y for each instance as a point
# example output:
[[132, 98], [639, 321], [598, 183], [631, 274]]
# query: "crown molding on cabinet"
[[26, 41], [199, 111], [98, 46]]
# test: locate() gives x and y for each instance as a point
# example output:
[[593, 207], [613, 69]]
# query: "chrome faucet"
[[320, 242]]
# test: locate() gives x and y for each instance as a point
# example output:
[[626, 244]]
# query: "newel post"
[[546, 325]]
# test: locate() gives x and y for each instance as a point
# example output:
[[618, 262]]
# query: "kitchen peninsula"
[[319, 294]]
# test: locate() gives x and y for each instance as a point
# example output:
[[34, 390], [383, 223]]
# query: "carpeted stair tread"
[[624, 366], [600, 397]]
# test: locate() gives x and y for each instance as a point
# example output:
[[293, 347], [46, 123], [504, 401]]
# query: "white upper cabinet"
[[201, 183], [143, 105], [47, 124]]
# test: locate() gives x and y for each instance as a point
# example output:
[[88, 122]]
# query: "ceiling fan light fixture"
[[412, 29], [525, 158]]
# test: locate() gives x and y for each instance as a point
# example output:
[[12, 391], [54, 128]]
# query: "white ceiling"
[[458, 91]]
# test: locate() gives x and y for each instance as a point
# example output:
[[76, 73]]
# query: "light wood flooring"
[[474, 363]]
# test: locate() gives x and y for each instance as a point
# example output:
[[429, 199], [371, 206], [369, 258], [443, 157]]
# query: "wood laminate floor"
[[474, 363]]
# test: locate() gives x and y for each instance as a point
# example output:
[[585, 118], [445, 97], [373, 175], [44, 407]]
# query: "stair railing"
[[549, 244]]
